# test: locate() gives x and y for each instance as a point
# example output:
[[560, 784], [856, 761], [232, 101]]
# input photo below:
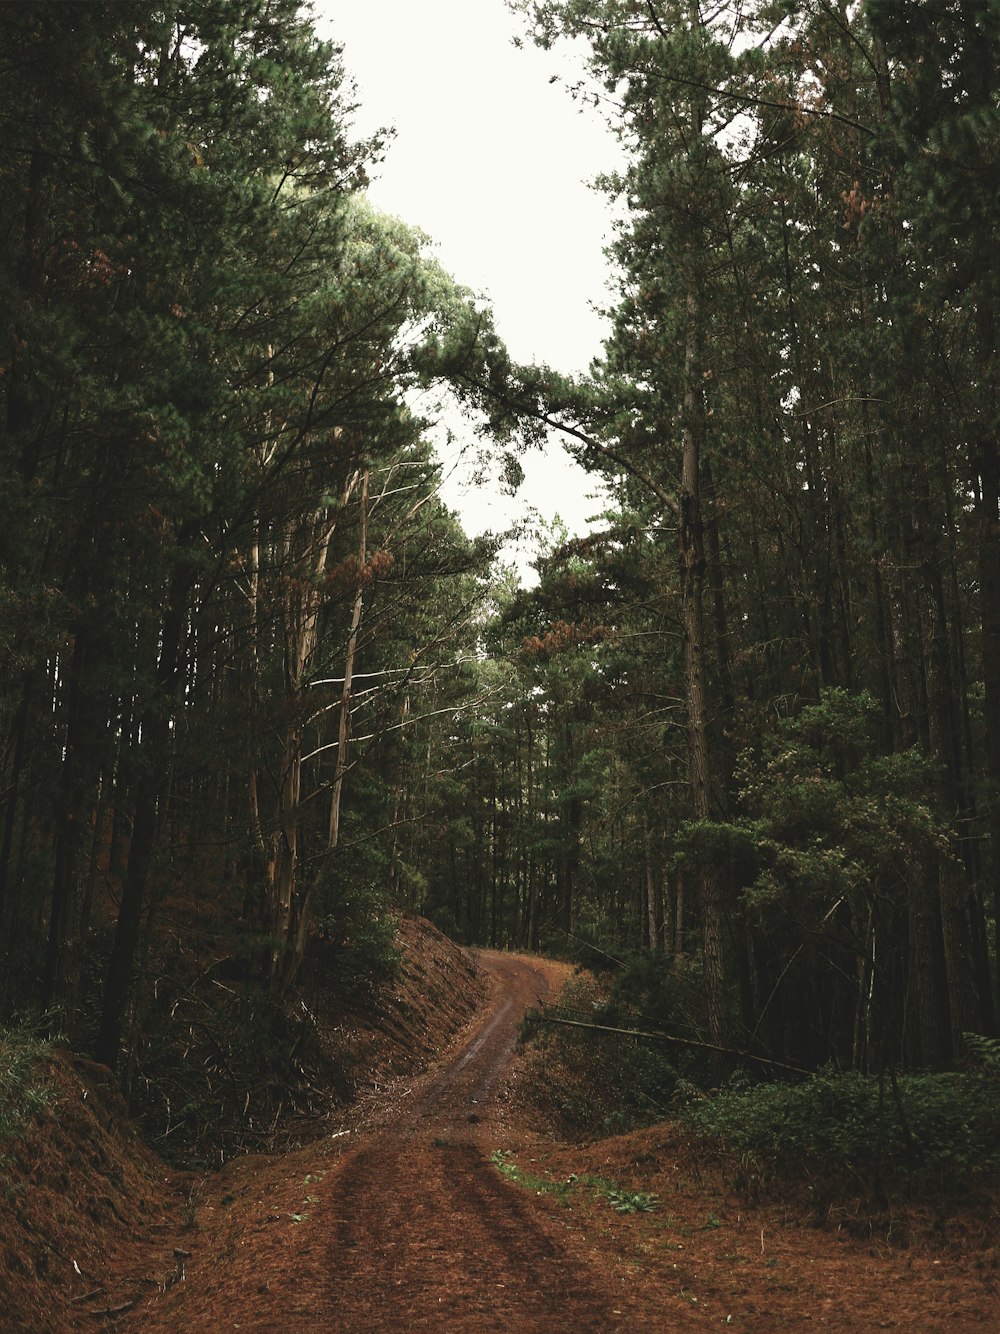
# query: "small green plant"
[[541, 1185], [630, 1201], [621, 1199], [22, 1093], [984, 1052]]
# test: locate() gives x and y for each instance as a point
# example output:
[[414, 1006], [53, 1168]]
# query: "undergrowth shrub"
[[924, 1132], [589, 1082], [661, 995], [357, 954], [224, 1066], [23, 1093], [227, 1070]]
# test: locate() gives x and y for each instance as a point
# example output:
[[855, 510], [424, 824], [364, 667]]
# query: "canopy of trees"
[[225, 575], [751, 724]]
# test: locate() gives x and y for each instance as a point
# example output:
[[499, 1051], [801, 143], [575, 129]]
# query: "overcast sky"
[[492, 160]]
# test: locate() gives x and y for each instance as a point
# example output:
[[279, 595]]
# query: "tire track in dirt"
[[437, 1240]]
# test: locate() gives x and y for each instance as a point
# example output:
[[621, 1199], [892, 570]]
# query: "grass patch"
[[22, 1093], [622, 1200]]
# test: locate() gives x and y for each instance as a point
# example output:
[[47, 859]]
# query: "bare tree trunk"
[[963, 1008], [652, 925], [691, 550], [63, 939], [344, 717]]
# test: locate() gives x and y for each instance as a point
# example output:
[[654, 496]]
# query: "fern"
[[983, 1051]]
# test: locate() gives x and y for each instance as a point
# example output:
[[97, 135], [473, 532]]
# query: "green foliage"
[[984, 1052], [625, 1201], [361, 952], [621, 1199], [534, 1181], [806, 281], [654, 993], [594, 945], [209, 341], [23, 1094], [209, 335], [592, 1082], [831, 809], [830, 836], [929, 1131], [356, 927], [733, 845]]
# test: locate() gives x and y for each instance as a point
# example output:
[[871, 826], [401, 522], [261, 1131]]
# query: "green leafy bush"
[[360, 951], [927, 1130], [593, 1082]]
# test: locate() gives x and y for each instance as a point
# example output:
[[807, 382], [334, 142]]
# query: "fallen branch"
[[680, 1042], [87, 1296], [113, 1311]]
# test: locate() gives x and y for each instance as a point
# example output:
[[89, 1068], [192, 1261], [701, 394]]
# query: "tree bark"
[[344, 715], [690, 530], [151, 788]]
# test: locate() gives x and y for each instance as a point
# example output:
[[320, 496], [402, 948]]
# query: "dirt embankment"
[[92, 1223], [404, 1224], [398, 1219]]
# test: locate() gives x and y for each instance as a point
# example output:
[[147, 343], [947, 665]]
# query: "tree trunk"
[[649, 887], [708, 877], [963, 1008], [63, 929], [151, 787], [344, 715]]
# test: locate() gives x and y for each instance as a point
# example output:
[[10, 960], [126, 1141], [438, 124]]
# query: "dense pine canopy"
[[750, 725]]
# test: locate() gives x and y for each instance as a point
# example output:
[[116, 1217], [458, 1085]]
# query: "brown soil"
[[399, 1220]]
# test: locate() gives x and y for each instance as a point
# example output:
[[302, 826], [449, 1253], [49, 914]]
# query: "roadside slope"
[[92, 1222], [401, 1224]]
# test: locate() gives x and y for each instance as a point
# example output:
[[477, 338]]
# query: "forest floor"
[[437, 1203]]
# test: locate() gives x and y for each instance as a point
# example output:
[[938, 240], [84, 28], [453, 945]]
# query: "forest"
[[260, 692]]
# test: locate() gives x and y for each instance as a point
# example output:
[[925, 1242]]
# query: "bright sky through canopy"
[[492, 159]]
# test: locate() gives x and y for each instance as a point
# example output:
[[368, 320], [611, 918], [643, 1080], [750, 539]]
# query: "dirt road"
[[401, 1222], [424, 1234], [412, 1228]]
